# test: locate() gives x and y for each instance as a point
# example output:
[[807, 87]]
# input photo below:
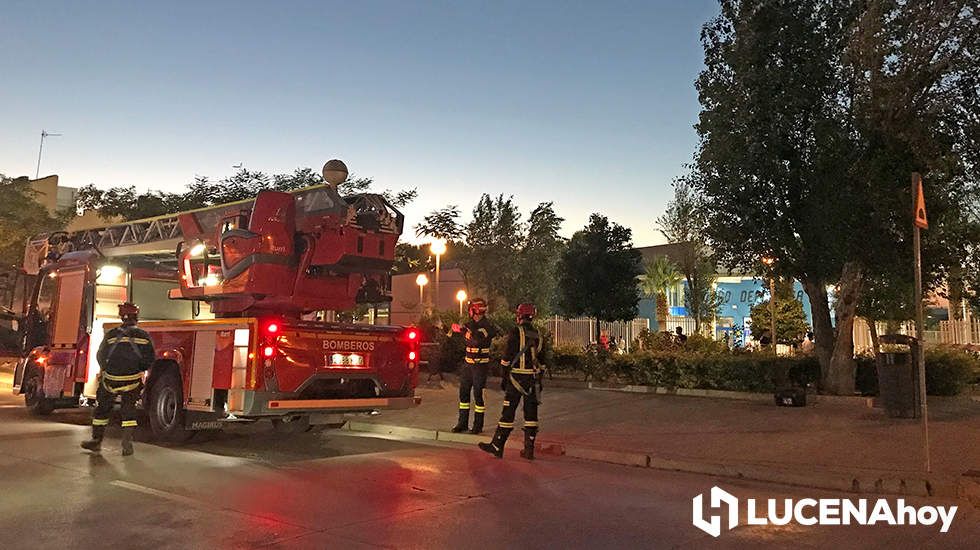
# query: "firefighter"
[[478, 333], [126, 352], [520, 380]]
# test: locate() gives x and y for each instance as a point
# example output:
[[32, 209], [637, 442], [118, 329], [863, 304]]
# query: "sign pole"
[[919, 223]]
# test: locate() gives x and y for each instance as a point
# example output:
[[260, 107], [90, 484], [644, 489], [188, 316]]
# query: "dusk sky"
[[587, 104]]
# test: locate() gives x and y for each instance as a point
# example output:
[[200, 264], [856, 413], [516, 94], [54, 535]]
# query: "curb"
[[861, 482], [858, 401]]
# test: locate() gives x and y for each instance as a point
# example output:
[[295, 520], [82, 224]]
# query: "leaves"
[[22, 217], [598, 272], [128, 204]]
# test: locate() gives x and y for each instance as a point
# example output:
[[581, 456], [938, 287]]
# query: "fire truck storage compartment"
[[201, 392]]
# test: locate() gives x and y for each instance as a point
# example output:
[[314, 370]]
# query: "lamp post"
[[438, 247], [772, 302], [421, 280], [461, 297]]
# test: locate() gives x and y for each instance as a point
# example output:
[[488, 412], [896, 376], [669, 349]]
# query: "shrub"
[[949, 371]]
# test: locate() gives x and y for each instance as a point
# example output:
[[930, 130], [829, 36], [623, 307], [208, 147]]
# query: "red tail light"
[[272, 328], [412, 355], [268, 351], [412, 335]]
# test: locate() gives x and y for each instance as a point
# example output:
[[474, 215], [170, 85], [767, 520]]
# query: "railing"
[[579, 332], [960, 332]]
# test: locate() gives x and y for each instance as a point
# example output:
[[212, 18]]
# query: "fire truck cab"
[[235, 299]]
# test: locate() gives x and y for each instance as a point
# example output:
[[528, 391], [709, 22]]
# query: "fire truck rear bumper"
[[341, 405]]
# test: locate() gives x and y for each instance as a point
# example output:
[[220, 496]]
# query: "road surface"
[[253, 488]]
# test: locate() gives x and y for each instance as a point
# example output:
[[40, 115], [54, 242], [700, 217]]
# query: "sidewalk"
[[858, 447]]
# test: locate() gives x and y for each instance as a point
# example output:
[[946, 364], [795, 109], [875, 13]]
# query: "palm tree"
[[660, 274]]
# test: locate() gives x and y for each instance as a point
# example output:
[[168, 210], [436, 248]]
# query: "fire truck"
[[240, 301]]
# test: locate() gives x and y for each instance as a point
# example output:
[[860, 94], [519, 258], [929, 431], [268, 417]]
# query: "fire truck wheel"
[[34, 398], [291, 424], [165, 409]]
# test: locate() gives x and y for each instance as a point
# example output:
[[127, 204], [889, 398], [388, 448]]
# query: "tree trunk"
[[598, 331], [839, 379], [823, 329], [873, 329], [662, 311]]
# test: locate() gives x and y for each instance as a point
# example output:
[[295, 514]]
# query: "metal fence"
[[580, 332]]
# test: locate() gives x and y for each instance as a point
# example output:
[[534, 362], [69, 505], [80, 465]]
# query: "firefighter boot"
[[95, 444], [477, 423], [528, 451], [496, 445], [127, 441], [464, 420]]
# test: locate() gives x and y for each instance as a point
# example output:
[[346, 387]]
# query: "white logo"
[[824, 511], [713, 526]]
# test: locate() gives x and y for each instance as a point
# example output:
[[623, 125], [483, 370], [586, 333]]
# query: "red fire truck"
[[240, 301]]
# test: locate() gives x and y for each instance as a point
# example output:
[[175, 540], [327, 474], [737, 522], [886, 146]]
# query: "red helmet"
[[128, 310], [526, 311], [477, 306]]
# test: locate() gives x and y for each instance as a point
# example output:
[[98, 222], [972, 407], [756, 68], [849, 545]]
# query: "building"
[[408, 303], [739, 292]]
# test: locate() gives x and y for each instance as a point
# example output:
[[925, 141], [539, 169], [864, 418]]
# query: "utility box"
[[898, 380]]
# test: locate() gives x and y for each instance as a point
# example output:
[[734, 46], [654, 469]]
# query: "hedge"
[[948, 371]]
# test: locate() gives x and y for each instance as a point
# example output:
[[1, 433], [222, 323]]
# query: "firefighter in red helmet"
[[478, 333], [125, 354], [521, 370]]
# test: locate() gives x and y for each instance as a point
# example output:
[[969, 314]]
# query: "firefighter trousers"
[[472, 379], [128, 389], [513, 394]]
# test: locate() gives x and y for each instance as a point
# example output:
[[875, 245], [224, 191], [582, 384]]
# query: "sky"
[[587, 104]]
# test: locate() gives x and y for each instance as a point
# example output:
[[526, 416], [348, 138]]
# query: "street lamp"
[[772, 301], [461, 297], [438, 247], [421, 280]]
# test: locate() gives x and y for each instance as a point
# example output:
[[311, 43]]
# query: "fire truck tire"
[[165, 409], [289, 425], [34, 398]]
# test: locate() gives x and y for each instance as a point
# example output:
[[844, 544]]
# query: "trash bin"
[[898, 387]]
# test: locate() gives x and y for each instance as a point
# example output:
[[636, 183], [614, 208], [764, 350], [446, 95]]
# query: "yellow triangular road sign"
[[920, 207]]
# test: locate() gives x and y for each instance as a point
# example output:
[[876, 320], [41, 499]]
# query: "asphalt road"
[[253, 488]]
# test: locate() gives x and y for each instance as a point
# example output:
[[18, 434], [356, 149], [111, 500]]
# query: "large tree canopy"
[[598, 273], [129, 204], [814, 114], [22, 217], [505, 260]]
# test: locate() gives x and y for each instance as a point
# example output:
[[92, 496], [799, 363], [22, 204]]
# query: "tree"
[[791, 325], [537, 276], [493, 242], [598, 273], [659, 275], [127, 203], [441, 224], [700, 298], [814, 113], [684, 223], [503, 259], [412, 258], [22, 217]]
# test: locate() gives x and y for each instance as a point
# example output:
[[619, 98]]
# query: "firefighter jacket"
[[125, 350], [478, 336], [522, 337]]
